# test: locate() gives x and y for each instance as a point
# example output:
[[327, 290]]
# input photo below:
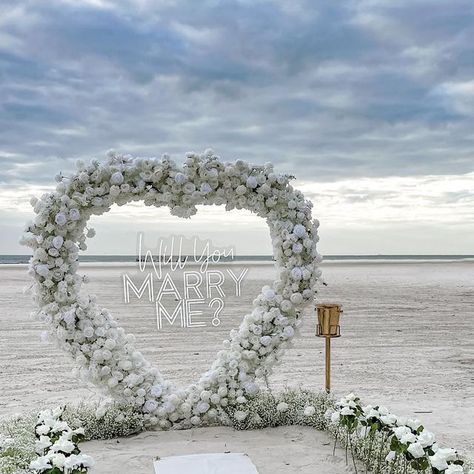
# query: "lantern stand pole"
[[328, 327], [328, 364]]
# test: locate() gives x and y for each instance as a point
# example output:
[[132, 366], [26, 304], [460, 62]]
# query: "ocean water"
[[114, 259]]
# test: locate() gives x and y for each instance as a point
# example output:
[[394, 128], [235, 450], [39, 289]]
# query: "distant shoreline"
[[254, 259]]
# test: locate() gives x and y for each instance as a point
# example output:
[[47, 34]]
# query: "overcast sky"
[[370, 104]]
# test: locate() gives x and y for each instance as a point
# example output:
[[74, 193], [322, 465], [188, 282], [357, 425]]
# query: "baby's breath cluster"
[[17, 443], [106, 354], [104, 421], [291, 407]]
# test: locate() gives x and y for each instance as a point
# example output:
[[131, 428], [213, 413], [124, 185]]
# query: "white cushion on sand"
[[219, 463]]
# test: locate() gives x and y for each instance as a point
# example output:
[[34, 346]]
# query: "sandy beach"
[[273, 450], [407, 333]]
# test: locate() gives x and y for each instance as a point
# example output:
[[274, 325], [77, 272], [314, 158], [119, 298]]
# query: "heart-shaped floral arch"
[[105, 353]]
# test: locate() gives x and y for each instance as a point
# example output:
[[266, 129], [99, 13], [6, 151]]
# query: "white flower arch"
[[104, 352]]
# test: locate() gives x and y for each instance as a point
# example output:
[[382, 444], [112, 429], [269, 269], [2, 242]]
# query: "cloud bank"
[[342, 94]]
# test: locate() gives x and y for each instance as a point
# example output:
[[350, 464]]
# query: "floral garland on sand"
[[370, 430], [385, 443], [104, 352]]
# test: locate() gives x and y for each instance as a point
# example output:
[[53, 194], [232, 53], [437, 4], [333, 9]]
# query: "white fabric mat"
[[219, 463]]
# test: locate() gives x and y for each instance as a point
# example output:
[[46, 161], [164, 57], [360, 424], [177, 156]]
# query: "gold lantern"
[[328, 327]]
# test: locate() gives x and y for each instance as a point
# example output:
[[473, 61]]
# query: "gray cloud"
[[326, 91]]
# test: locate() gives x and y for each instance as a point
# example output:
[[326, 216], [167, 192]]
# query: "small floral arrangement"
[[57, 446], [370, 431]]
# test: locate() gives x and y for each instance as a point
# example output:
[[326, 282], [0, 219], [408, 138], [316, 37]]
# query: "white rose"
[[42, 270], [299, 230], [58, 241], [454, 469], [63, 445], [42, 430], [408, 438], [110, 344], [438, 461], [416, 450], [206, 188], [240, 415], [60, 425], [389, 419], [240, 190], [251, 388], [114, 191], [269, 294], [202, 407], [413, 424], [72, 462], [116, 178], [60, 218], [180, 178], [296, 298], [370, 412], [43, 443], [74, 214], [215, 398], [40, 464], [401, 431], [58, 459], [205, 395], [426, 438], [222, 392], [282, 407], [297, 248], [150, 406], [401, 420], [188, 188], [296, 273], [448, 453], [309, 410], [252, 182]]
